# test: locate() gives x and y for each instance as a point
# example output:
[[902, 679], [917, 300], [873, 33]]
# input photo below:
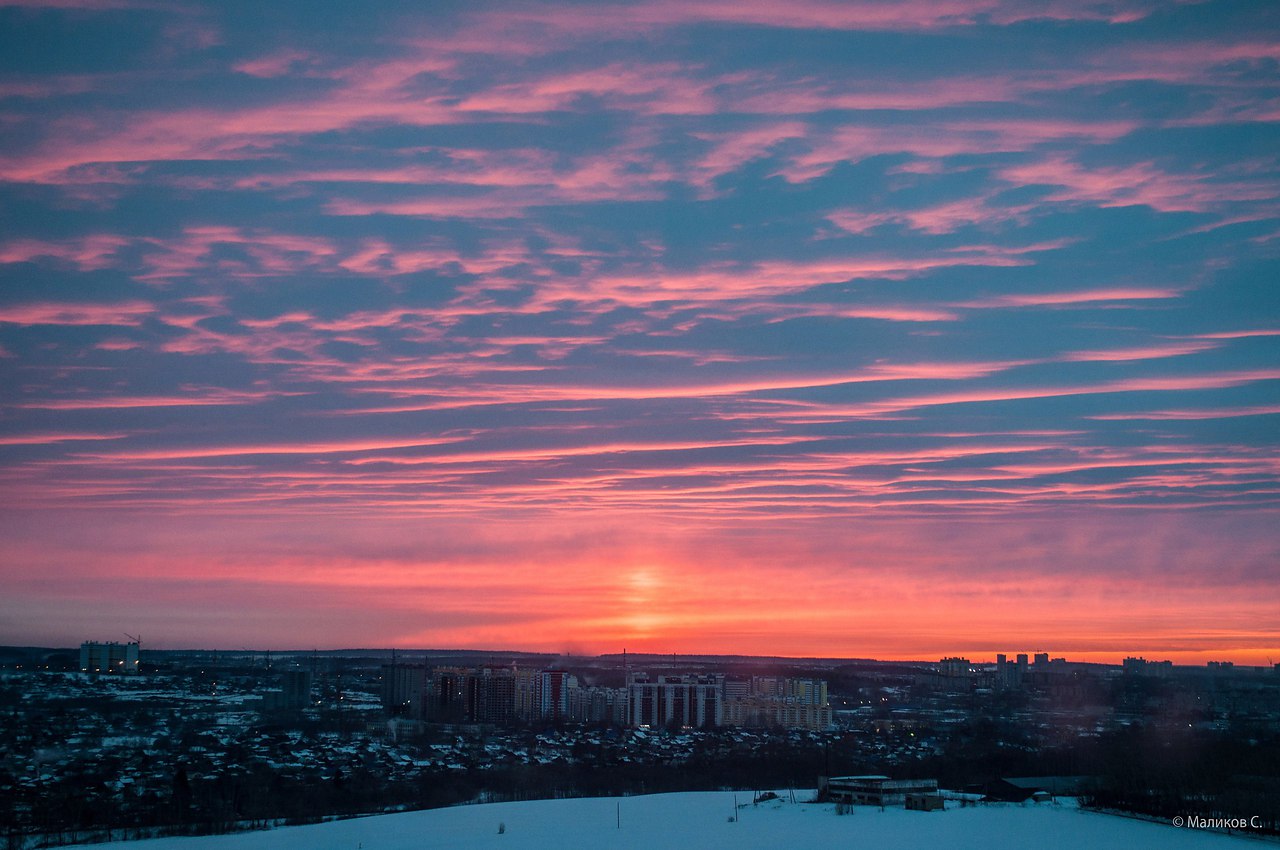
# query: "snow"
[[703, 820]]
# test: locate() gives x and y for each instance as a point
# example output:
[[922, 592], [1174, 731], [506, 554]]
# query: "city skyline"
[[856, 329], [515, 658]]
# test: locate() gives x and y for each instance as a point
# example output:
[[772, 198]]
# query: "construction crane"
[[138, 640]]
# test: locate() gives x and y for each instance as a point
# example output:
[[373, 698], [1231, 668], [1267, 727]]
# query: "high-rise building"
[[114, 658], [447, 694], [403, 689], [598, 705], [776, 701], [297, 688], [768, 686], [552, 694], [759, 712], [680, 701], [526, 703], [806, 691], [1008, 674], [294, 693], [491, 695]]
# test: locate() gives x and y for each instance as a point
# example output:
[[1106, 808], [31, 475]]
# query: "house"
[[925, 802]]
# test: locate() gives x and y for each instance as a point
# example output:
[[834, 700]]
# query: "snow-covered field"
[[701, 820]]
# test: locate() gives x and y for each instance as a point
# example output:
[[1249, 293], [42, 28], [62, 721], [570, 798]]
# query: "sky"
[[858, 329]]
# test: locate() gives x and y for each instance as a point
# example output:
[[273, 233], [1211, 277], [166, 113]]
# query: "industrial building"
[[873, 790]]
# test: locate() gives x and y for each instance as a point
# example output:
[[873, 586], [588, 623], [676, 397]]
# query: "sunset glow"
[[848, 329]]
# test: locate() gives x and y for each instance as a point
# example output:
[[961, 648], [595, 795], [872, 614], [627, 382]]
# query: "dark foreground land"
[[189, 746]]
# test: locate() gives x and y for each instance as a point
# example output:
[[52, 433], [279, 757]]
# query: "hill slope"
[[702, 820]]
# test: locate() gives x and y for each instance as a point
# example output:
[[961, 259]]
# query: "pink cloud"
[[509, 182], [1139, 183], [1177, 415], [87, 5], [527, 26], [469, 395], [130, 313], [763, 279], [887, 312], [59, 85], [938, 219], [116, 344], [1152, 352], [1241, 334], [259, 253], [201, 133], [822, 150], [653, 88], [493, 205], [814, 412], [390, 90], [509, 167], [1083, 296], [1182, 62], [732, 150], [278, 64], [51, 438], [509, 455], [208, 397], [307, 448], [266, 253], [89, 253]]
